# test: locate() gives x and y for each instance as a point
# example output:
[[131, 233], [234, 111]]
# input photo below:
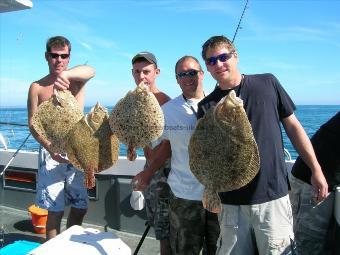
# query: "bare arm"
[[81, 74], [74, 79], [304, 147], [159, 155], [32, 106]]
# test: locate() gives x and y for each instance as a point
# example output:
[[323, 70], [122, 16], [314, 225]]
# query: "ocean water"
[[15, 135], [310, 116]]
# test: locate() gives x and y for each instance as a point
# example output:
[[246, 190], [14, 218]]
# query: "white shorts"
[[59, 185], [267, 227]]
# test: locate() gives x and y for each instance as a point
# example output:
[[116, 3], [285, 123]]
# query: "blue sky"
[[298, 41]]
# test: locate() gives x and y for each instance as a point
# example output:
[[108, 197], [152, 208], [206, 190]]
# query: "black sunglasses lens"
[[55, 55], [224, 57], [181, 75], [192, 73], [212, 61]]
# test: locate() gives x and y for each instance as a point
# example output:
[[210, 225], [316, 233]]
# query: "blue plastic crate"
[[21, 247]]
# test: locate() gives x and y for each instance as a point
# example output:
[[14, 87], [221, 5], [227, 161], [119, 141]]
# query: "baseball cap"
[[148, 56]]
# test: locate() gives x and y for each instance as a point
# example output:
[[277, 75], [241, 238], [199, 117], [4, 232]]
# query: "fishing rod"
[[14, 155], [238, 25], [240, 20], [142, 239]]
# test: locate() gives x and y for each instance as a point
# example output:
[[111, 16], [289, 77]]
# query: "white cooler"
[[84, 241]]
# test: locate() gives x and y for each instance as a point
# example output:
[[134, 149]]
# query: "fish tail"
[[131, 153], [90, 179], [211, 201]]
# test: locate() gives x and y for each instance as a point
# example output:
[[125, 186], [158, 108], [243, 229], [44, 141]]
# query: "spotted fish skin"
[[137, 119], [55, 117], [91, 146], [223, 153]]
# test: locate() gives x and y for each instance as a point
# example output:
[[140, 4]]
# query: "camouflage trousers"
[[157, 203], [311, 221], [192, 227]]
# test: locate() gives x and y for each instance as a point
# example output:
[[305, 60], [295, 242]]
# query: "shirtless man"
[[145, 69], [59, 183]]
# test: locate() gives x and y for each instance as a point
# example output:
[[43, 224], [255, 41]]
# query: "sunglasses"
[[222, 57], [56, 55], [190, 73]]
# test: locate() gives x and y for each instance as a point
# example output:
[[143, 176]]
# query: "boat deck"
[[17, 226]]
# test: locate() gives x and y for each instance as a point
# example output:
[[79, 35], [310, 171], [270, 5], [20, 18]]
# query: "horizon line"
[[90, 106]]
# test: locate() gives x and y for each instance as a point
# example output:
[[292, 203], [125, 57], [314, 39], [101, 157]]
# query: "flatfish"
[[55, 117], [137, 119], [223, 153], [91, 146]]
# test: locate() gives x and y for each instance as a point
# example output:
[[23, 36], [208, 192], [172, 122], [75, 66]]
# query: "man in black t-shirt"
[[313, 222], [258, 215]]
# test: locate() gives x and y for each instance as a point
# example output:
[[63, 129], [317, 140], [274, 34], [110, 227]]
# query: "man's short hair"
[[58, 42], [145, 55], [182, 59], [216, 41]]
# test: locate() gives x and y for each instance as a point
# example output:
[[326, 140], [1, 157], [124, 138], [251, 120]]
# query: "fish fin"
[[211, 201], [90, 179], [131, 153]]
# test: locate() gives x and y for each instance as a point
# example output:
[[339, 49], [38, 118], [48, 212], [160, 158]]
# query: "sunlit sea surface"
[[310, 116]]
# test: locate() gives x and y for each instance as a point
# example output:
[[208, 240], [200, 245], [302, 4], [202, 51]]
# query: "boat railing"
[[287, 154], [3, 140], [13, 124], [15, 154]]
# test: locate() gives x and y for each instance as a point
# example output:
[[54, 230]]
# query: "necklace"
[[191, 107], [241, 81]]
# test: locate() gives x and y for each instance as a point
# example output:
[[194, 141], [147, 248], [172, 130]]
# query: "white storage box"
[[84, 241]]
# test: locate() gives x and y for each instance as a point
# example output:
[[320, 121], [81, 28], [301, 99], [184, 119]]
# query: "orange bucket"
[[39, 218]]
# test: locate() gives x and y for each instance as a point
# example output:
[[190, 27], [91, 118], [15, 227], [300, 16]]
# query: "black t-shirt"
[[266, 104], [326, 144]]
